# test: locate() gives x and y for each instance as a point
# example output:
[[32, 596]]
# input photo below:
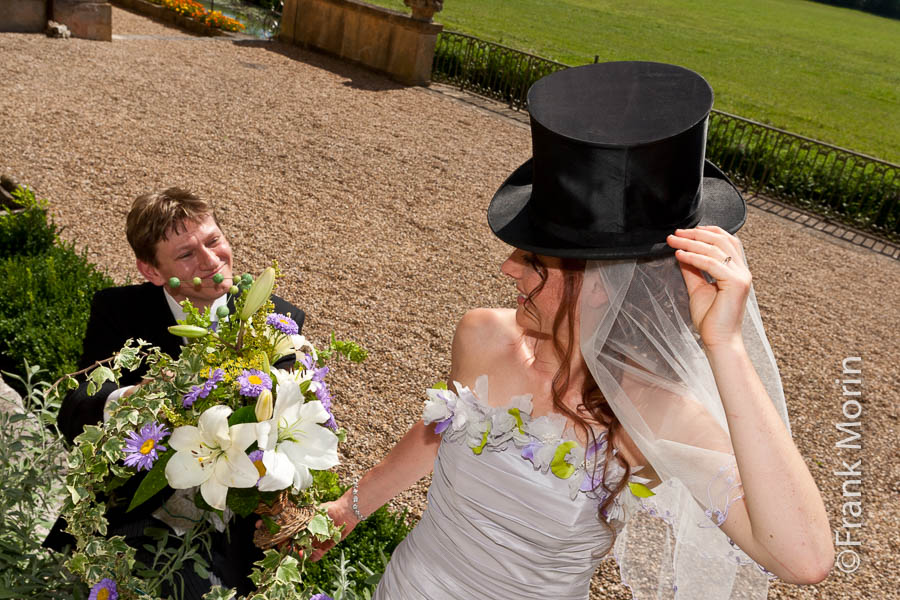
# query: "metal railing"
[[823, 178]]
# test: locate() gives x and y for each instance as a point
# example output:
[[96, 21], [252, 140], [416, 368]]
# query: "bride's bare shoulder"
[[483, 335]]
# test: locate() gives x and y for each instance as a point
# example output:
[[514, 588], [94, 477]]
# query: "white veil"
[[646, 357]]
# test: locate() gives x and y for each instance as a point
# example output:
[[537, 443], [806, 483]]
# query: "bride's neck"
[[542, 357]]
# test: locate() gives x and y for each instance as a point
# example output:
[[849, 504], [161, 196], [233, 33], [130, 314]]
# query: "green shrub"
[[367, 544], [32, 454], [44, 308], [27, 232], [826, 181]]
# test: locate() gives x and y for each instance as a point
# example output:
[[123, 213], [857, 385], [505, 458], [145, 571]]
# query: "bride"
[[630, 403]]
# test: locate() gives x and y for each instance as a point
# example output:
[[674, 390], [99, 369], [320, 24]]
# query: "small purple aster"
[[256, 457], [318, 374], [215, 376], [324, 396], [253, 382], [188, 399], [105, 590], [141, 449], [321, 597], [283, 323]]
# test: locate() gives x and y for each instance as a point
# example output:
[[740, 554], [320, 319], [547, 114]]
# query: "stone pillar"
[[88, 19], [23, 16], [381, 39]]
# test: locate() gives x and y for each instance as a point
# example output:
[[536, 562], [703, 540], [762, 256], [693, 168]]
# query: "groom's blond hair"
[[153, 216]]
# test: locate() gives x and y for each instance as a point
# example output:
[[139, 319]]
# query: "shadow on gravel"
[[358, 77]]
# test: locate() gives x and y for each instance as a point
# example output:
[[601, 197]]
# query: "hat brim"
[[509, 217]]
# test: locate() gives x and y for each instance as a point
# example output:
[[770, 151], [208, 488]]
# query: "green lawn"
[[821, 71]]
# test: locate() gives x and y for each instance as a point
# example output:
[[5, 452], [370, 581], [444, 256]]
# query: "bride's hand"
[[341, 513], [717, 309]]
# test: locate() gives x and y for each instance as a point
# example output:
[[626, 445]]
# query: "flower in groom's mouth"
[[142, 448]]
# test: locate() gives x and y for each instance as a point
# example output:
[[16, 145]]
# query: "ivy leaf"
[[288, 571], [112, 449], [98, 377], [153, 482], [242, 501], [318, 526], [245, 414], [91, 435], [270, 524]]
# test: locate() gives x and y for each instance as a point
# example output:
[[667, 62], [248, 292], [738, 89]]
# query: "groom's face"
[[192, 249]]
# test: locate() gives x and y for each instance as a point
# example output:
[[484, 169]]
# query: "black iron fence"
[[857, 189]]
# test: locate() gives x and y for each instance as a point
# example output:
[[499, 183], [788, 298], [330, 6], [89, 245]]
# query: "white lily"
[[212, 455], [294, 440]]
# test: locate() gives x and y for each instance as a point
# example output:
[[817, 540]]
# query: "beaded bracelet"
[[355, 505]]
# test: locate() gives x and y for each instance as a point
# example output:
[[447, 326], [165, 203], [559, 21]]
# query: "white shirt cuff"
[[113, 395]]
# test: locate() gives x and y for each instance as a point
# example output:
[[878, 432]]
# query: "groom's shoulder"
[[121, 295]]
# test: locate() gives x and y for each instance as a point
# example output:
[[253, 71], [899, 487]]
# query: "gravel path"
[[372, 198]]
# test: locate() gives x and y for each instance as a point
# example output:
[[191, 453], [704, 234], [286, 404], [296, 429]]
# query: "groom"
[[183, 254]]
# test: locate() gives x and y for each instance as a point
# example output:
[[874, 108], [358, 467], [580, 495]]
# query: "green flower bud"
[[234, 290], [188, 331], [247, 278], [197, 281], [259, 293], [174, 282], [222, 311], [263, 407], [218, 278]]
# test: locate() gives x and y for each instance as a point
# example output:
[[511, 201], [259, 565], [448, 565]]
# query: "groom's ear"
[[150, 273]]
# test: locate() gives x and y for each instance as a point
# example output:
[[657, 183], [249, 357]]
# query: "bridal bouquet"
[[229, 432]]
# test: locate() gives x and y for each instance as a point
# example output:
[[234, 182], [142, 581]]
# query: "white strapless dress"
[[510, 514]]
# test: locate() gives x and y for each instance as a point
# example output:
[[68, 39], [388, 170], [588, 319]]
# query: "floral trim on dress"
[[465, 416]]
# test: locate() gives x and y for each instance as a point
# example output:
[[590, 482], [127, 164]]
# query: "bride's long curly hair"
[[592, 400]]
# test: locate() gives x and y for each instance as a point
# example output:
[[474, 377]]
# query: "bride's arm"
[[410, 460], [413, 456], [781, 521]]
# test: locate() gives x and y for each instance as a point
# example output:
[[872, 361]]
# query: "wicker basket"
[[291, 518]]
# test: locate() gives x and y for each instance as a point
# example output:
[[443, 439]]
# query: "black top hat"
[[618, 164]]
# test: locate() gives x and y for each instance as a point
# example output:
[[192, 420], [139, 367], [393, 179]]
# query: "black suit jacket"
[[141, 311]]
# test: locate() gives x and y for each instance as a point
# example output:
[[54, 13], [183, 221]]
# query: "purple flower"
[[283, 323], [253, 382], [321, 597], [318, 375], [324, 396], [215, 376], [141, 448], [105, 590], [529, 450], [443, 425], [256, 458]]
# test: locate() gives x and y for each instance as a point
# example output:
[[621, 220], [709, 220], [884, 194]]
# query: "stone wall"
[[382, 39], [23, 16], [89, 19]]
